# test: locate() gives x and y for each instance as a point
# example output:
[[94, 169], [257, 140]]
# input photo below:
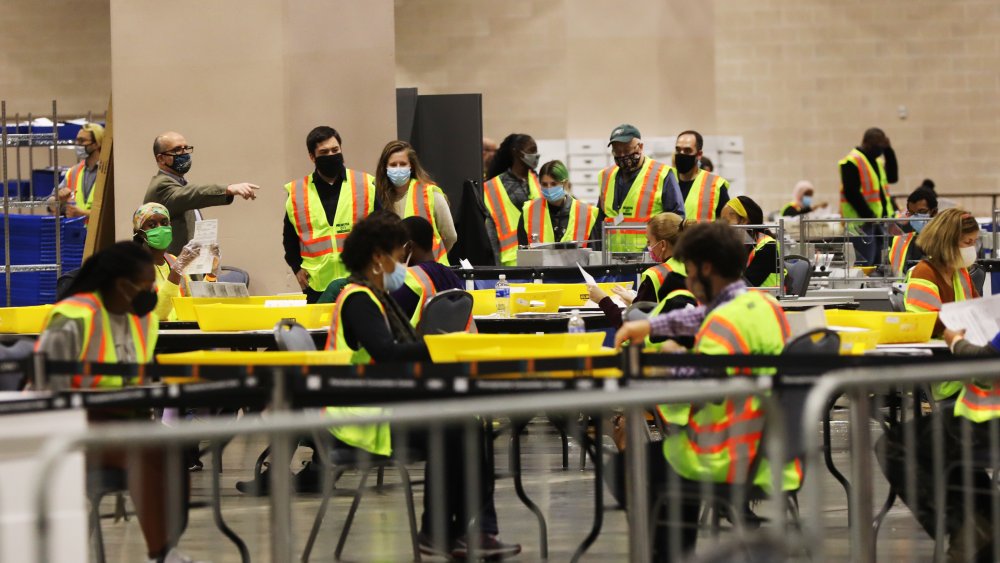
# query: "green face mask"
[[160, 237]]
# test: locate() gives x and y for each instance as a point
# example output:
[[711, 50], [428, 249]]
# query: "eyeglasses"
[[177, 151]]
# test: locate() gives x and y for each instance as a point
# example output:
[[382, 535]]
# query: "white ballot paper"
[[979, 317], [587, 278], [219, 289], [466, 265], [206, 233]]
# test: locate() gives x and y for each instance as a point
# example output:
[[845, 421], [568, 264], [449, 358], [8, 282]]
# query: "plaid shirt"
[[686, 322]]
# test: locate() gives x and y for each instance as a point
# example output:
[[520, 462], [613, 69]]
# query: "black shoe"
[[197, 465], [430, 549], [490, 547], [309, 480]]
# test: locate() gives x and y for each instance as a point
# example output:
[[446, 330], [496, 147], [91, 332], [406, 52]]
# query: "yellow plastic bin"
[[224, 317], [24, 320], [573, 294], [545, 300], [453, 347], [227, 358], [855, 341], [184, 306], [893, 328]]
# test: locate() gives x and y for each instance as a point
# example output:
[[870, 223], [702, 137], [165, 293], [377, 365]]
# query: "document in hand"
[[979, 317]]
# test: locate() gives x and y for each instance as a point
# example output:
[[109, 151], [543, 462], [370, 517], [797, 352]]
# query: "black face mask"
[[143, 302], [685, 162], [331, 165], [629, 162]]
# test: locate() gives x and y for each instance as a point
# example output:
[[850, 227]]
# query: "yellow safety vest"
[[505, 217], [98, 343], [923, 296], [642, 202], [420, 203], [373, 438], [582, 218], [74, 183], [658, 274], [703, 199], [320, 243], [772, 280], [717, 442], [874, 184], [655, 346], [897, 252], [791, 205]]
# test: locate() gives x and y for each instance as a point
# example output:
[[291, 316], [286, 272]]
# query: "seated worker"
[[802, 200], [762, 263], [965, 430], [735, 321], [425, 277], [557, 216], [106, 315], [512, 182], [76, 190], [921, 206], [403, 186], [949, 242], [369, 322], [151, 228], [664, 284]]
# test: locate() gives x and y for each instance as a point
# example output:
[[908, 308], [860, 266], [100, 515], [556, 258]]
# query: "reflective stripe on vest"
[[335, 339], [703, 198], [872, 180], [897, 252], [963, 285], [420, 203], [74, 183], [639, 206], [425, 289], [977, 403], [773, 279], [505, 218], [922, 296]]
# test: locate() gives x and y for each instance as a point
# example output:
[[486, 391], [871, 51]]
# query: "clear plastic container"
[[576, 324], [502, 292]]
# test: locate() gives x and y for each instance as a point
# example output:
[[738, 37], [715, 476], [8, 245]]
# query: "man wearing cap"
[[705, 193], [77, 188], [633, 190]]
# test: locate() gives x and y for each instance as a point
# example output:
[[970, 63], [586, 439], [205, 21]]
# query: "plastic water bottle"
[[503, 297], [576, 325]]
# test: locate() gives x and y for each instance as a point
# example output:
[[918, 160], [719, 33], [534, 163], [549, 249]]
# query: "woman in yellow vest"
[[557, 216], [512, 182], [151, 228], [663, 284], [403, 186], [369, 322], [762, 262], [106, 315], [802, 200]]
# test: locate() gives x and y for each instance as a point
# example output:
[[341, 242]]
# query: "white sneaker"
[[174, 556]]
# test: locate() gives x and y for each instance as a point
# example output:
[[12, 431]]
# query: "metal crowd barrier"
[[945, 467]]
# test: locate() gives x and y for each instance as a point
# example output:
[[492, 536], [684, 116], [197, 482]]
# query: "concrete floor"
[[380, 532]]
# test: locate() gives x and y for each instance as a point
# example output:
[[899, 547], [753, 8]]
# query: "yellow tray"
[[857, 342], [24, 320], [227, 358], [893, 328], [484, 301], [222, 317], [184, 306], [573, 294], [454, 347]]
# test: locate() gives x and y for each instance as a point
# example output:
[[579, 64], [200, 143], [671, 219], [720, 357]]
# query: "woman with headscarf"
[[802, 200], [151, 228]]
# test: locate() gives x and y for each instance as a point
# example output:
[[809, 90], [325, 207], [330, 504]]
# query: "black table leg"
[[598, 459], [217, 504], [515, 465]]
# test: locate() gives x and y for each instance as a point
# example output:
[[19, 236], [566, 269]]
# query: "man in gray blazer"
[[183, 199]]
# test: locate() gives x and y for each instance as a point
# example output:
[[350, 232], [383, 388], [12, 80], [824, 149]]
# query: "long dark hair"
[[383, 187], [124, 259], [504, 158]]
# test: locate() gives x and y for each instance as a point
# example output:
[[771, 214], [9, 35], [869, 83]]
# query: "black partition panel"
[[406, 111]]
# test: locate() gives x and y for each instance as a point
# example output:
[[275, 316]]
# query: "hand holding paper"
[[978, 317]]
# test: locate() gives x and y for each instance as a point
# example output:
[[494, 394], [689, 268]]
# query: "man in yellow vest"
[[711, 442], [321, 210], [921, 206], [864, 192], [76, 190], [634, 190], [705, 193], [425, 276]]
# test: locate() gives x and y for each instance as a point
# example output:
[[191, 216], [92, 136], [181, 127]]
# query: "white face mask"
[[968, 255]]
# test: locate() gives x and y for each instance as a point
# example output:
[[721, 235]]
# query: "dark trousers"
[[312, 296], [891, 451], [458, 492], [662, 478], [868, 244]]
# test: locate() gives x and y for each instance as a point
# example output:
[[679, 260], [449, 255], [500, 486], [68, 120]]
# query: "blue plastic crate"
[[45, 180], [32, 240], [17, 189]]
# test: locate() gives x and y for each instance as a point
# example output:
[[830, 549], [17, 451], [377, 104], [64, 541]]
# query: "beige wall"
[[244, 82], [800, 81], [55, 49]]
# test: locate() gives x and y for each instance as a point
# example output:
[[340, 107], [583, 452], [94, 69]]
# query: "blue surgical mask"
[[399, 176], [554, 194], [807, 201], [918, 220], [395, 279]]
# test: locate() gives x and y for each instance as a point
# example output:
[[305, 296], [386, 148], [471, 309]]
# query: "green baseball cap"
[[624, 133]]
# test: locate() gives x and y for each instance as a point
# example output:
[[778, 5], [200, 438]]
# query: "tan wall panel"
[[244, 86]]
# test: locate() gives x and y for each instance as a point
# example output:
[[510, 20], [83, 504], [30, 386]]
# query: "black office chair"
[[290, 336], [897, 302], [978, 276], [638, 311], [798, 273], [448, 311], [101, 483]]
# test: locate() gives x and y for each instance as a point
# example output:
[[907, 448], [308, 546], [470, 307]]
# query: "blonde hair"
[[96, 130], [668, 226], [939, 239]]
